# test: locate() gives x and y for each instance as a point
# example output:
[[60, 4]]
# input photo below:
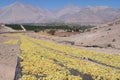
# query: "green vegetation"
[[33, 27], [14, 26], [52, 31], [68, 28]]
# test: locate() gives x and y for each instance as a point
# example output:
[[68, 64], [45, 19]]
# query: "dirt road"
[[8, 58]]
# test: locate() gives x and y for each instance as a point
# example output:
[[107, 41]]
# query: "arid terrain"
[[104, 38], [60, 40], [8, 58]]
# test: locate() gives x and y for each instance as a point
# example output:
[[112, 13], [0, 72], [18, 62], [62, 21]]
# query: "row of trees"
[[14, 26], [35, 28]]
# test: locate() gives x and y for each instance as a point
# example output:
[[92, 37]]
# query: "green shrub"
[[52, 31], [36, 30]]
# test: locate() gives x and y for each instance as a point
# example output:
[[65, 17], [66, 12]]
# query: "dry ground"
[[103, 39], [67, 41], [8, 58], [65, 34]]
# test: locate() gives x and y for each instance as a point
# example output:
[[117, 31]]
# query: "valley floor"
[[10, 50]]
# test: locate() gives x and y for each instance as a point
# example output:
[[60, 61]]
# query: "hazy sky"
[[57, 4]]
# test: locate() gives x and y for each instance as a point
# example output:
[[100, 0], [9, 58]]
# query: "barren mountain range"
[[25, 13]]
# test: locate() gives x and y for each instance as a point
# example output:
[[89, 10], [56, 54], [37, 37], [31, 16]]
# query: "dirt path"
[[8, 58]]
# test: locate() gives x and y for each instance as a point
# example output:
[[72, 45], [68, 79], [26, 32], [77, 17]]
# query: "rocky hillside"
[[104, 36]]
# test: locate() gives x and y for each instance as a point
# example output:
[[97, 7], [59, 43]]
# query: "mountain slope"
[[92, 15], [68, 10], [107, 35], [19, 12], [24, 13]]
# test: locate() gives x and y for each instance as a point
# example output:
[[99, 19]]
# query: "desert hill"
[[107, 35], [24, 13]]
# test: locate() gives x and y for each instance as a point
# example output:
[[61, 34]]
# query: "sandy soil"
[[69, 40], [65, 34], [8, 58]]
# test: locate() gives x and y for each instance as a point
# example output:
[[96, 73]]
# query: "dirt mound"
[[4, 28]]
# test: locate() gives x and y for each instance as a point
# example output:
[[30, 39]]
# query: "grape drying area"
[[46, 60]]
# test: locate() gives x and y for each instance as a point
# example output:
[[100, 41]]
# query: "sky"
[[57, 4]]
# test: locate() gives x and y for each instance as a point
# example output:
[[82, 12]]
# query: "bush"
[[109, 45], [109, 29], [36, 30], [52, 31], [113, 40], [88, 30]]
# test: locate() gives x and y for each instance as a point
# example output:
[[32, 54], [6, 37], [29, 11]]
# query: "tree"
[[52, 31]]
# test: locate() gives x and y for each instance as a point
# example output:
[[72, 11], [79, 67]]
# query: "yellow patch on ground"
[[11, 41]]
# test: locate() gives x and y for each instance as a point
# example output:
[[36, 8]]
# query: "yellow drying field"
[[43, 60], [11, 41]]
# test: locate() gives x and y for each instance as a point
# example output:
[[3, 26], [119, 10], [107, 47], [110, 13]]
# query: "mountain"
[[25, 13], [68, 10], [91, 15]]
